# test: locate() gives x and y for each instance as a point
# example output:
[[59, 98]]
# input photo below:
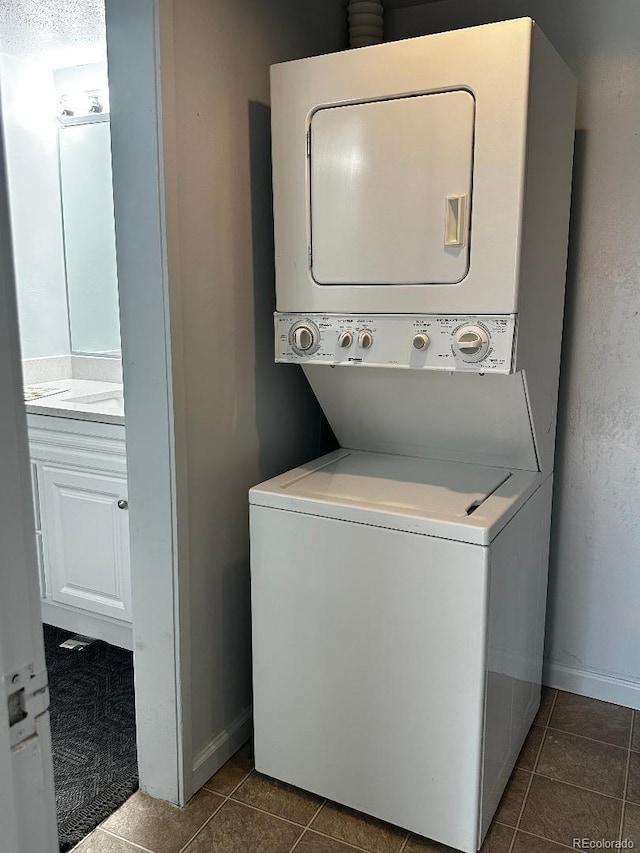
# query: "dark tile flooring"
[[578, 776]]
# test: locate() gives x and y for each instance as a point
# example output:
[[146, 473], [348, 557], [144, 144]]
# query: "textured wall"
[[593, 633], [244, 417]]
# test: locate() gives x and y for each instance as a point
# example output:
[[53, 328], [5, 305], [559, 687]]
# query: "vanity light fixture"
[[78, 107]]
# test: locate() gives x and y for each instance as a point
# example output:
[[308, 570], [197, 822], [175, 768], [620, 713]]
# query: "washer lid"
[[453, 500], [401, 483]]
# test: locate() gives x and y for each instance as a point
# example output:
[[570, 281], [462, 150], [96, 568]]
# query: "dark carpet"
[[93, 730]]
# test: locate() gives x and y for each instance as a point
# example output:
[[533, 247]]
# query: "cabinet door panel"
[[86, 540]]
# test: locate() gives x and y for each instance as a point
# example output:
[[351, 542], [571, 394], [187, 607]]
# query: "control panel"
[[478, 344]]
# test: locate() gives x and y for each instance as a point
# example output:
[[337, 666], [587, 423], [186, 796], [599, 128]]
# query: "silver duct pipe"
[[366, 25]]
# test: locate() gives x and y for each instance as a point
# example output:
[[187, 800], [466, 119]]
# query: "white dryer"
[[421, 204]]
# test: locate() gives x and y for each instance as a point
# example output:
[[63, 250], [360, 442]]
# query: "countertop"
[[79, 399]]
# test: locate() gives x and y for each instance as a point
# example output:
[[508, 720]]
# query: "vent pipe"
[[366, 25]]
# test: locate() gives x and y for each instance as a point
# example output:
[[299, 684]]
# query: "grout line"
[[233, 790], [626, 779], [535, 764], [301, 826], [542, 740], [545, 728], [622, 816], [542, 838], [225, 799], [310, 821], [341, 841], [553, 706], [579, 787], [241, 782], [593, 739], [520, 813], [271, 814], [308, 827], [120, 838], [210, 818]]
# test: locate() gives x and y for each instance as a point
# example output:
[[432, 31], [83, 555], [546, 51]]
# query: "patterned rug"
[[93, 730]]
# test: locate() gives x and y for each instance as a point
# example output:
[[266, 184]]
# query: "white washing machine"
[[421, 200], [398, 615]]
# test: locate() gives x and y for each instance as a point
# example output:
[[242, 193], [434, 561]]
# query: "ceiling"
[[400, 4], [70, 32], [61, 32]]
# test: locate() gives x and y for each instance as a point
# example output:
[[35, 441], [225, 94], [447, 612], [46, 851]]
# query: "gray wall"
[[240, 418], [593, 632], [28, 107]]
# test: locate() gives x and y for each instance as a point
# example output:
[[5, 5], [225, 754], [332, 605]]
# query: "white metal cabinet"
[[86, 540]]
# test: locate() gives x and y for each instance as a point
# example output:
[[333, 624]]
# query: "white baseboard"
[[596, 685], [221, 747]]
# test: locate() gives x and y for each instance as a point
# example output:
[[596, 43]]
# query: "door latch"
[[27, 696]]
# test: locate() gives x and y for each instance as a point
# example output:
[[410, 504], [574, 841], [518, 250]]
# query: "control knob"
[[365, 340], [471, 343], [421, 341], [345, 339], [304, 337]]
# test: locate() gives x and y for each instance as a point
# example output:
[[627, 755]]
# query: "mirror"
[[89, 236]]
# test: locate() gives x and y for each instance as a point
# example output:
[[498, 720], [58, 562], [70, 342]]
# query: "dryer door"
[[390, 191]]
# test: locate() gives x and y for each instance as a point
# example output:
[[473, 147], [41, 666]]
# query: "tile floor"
[[578, 776]]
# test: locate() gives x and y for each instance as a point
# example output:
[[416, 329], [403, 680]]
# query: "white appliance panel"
[[492, 64], [401, 483], [449, 500], [400, 726], [463, 418], [350, 700], [416, 341], [517, 609], [390, 185]]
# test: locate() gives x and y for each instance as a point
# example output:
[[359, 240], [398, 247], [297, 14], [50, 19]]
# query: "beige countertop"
[[79, 399]]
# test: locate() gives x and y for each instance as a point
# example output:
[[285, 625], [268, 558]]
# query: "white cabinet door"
[[86, 538]]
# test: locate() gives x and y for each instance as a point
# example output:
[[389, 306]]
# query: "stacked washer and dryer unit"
[[421, 196]]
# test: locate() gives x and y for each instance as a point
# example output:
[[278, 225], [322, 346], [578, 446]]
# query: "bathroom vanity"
[[59, 162], [78, 463]]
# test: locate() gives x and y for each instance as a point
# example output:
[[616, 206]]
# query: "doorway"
[[56, 121], [56, 116]]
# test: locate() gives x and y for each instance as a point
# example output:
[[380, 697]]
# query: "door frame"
[[27, 797], [150, 344], [142, 149]]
